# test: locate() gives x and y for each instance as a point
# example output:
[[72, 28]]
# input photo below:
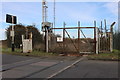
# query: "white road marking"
[[65, 68]]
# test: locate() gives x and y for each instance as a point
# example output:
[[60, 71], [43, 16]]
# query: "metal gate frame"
[[79, 29]]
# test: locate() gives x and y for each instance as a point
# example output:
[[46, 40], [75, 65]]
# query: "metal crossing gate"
[[65, 43]]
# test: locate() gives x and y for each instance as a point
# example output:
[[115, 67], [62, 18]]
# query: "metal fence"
[[102, 40]]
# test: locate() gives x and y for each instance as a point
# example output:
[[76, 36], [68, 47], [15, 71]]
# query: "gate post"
[[95, 38], [79, 36], [111, 36], [64, 37]]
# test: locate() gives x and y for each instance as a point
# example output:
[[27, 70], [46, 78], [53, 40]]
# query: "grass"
[[34, 53], [115, 55]]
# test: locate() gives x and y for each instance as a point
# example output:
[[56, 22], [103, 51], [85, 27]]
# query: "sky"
[[29, 13]]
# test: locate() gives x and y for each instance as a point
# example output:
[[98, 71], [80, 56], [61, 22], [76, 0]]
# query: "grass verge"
[[34, 53], [114, 56]]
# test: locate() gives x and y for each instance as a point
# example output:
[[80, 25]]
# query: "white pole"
[[111, 39], [97, 39]]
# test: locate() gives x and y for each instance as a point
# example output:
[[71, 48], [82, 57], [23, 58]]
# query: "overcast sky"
[[70, 12]]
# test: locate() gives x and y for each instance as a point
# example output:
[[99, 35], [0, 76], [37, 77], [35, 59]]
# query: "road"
[[91, 69], [58, 67], [9, 59]]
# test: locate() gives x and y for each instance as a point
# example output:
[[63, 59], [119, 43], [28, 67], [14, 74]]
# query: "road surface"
[[57, 67], [91, 69], [9, 59]]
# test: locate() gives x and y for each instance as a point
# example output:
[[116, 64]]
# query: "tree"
[[37, 37], [22, 30], [19, 30], [116, 40]]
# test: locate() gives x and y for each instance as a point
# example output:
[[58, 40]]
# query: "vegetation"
[[38, 42], [23, 30], [115, 55], [19, 52], [116, 40]]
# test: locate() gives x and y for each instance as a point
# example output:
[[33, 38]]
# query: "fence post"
[[97, 41], [111, 37], [95, 38]]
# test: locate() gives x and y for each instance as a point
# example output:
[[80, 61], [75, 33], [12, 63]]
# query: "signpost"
[[13, 20]]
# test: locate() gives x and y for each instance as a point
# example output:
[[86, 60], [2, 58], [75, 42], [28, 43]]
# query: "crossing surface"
[[58, 67]]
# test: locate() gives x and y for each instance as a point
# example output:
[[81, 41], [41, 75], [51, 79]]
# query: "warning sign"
[[59, 39]]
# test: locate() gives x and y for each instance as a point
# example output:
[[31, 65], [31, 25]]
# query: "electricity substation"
[[65, 44], [102, 40]]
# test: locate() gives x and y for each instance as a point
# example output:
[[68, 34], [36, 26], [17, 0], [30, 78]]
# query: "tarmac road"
[[30, 67], [9, 59], [91, 69], [33, 67]]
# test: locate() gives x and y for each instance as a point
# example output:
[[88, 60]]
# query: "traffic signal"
[[15, 20], [9, 19]]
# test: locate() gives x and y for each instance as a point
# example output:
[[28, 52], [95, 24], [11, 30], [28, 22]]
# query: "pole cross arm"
[[113, 24], [111, 27]]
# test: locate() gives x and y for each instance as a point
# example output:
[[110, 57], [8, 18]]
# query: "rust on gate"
[[101, 41]]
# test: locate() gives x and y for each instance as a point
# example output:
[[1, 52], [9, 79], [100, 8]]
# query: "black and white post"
[[12, 20], [12, 44]]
